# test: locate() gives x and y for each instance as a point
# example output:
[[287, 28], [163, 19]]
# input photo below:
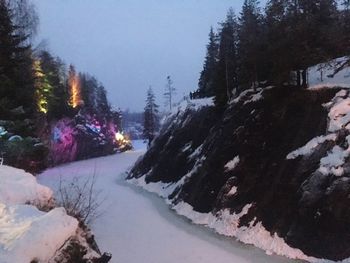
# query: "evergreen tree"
[[150, 117], [43, 89], [55, 73], [16, 75], [226, 81], [169, 93], [279, 60], [311, 34], [205, 84], [250, 44]]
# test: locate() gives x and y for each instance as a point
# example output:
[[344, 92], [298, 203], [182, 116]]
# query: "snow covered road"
[[137, 226]]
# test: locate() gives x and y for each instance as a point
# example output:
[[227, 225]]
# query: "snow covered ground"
[[138, 226], [26, 233]]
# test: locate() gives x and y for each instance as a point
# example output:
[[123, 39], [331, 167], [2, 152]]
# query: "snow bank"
[[19, 187], [321, 75], [227, 223], [28, 234]]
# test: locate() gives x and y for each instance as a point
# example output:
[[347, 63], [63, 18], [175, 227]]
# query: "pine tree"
[[226, 81], [150, 117], [205, 84], [169, 93]]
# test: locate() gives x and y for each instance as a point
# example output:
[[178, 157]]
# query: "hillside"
[[271, 170]]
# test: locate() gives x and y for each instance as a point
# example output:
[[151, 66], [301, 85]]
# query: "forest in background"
[[274, 45], [49, 112]]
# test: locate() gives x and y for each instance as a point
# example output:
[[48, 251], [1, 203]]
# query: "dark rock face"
[[307, 208]]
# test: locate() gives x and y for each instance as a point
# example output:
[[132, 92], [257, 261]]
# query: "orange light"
[[74, 83], [119, 136]]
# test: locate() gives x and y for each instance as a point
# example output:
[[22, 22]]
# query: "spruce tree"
[[16, 75], [225, 81], [54, 71], [205, 84], [250, 42], [150, 117]]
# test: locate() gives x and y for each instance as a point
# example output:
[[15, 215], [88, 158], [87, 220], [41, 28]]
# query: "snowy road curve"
[[138, 227]]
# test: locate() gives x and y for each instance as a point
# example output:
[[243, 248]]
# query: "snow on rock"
[[232, 164], [333, 162], [19, 187], [249, 95], [28, 234], [338, 119], [233, 191], [195, 104], [339, 115], [311, 146], [199, 103]]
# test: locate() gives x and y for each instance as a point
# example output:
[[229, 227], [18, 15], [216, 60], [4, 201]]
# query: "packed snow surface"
[[137, 226], [19, 187]]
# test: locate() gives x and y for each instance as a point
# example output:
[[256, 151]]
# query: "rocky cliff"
[[272, 170]]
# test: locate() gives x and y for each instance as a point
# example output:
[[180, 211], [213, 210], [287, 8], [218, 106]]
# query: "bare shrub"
[[80, 198]]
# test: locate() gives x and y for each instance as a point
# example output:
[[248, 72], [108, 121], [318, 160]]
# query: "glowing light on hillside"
[[42, 87], [74, 84], [119, 136]]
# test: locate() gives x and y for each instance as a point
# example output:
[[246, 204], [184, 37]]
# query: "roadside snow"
[[19, 187], [28, 234]]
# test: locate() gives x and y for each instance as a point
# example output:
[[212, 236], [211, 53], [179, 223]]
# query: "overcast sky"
[[132, 44]]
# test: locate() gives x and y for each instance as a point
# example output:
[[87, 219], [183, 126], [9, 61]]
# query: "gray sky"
[[131, 44]]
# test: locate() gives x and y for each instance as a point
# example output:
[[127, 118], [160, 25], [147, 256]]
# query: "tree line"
[[35, 82], [275, 44]]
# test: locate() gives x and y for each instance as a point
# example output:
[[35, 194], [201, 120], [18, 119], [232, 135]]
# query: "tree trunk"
[[304, 76], [298, 78]]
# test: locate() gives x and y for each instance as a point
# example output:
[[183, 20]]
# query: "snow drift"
[[19, 187], [27, 234]]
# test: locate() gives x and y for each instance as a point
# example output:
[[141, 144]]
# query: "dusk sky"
[[132, 44]]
